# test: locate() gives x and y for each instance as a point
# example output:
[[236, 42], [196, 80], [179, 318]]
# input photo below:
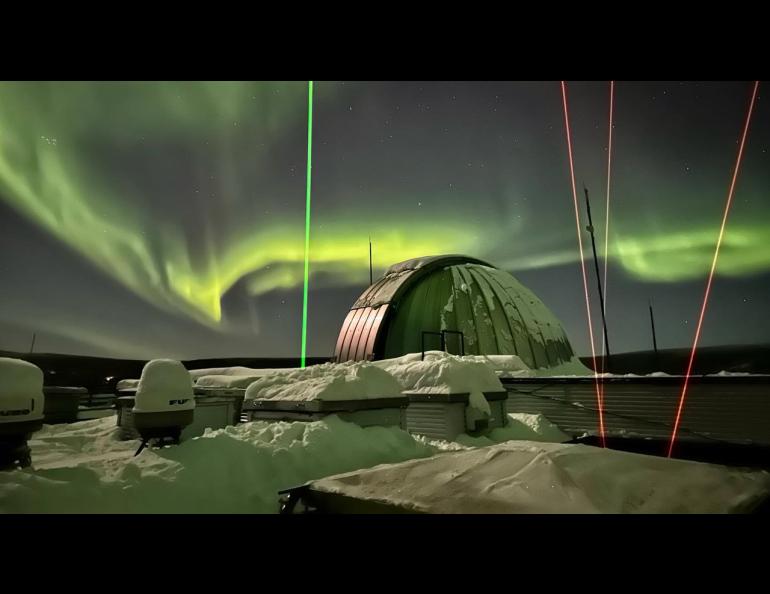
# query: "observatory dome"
[[407, 310]]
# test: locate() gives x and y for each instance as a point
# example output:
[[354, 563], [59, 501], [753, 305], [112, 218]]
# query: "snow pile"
[[442, 373], [521, 426], [238, 377], [82, 468], [165, 385], [237, 371], [21, 391], [86, 443], [330, 381], [226, 381], [526, 477]]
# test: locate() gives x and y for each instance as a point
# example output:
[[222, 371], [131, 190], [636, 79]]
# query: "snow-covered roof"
[[329, 381], [528, 477]]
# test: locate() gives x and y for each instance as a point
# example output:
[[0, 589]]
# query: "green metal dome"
[[495, 313]]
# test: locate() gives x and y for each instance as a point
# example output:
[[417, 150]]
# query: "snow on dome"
[[329, 381], [503, 365], [165, 385], [21, 391]]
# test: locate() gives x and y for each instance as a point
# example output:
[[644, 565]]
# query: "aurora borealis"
[[167, 219]]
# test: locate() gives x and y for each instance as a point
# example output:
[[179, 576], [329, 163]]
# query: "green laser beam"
[[307, 217]]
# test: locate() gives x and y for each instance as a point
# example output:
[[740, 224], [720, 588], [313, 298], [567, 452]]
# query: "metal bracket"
[[462, 339]]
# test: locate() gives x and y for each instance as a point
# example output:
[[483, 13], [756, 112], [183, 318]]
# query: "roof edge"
[[425, 262]]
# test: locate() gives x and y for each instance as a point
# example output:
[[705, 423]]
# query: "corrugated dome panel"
[[493, 310]]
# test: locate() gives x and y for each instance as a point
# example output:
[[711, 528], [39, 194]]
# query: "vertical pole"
[[32, 346], [590, 229], [652, 325], [371, 278], [307, 218]]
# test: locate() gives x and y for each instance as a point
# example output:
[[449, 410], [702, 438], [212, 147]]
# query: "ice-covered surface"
[[163, 382], [21, 389], [330, 381], [527, 477]]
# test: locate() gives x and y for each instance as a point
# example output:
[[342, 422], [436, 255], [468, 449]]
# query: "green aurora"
[[183, 252]]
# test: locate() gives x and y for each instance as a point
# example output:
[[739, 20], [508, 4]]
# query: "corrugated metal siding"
[[732, 412], [357, 338], [371, 340], [437, 420], [343, 334]]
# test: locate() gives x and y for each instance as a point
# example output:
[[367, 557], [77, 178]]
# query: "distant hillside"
[[733, 358], [100, 374]]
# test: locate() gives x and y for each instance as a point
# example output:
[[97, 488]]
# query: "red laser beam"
[[713, 268], [599, 397], [607, 233]]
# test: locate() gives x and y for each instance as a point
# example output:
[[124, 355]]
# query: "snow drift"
[[329, 381], [84, 468], [521, 426]]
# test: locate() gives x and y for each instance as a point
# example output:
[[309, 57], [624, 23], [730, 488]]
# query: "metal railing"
[[442, 337]]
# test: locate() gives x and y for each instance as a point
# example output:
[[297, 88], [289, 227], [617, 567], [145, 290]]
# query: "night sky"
[[167, 219]]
